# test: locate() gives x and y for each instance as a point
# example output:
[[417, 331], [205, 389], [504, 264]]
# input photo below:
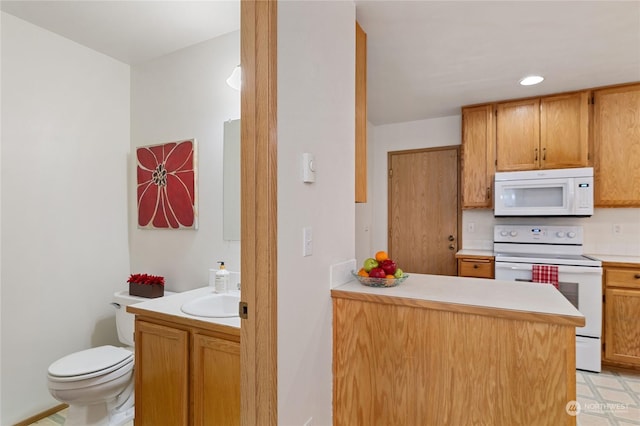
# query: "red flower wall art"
[[167, 186]]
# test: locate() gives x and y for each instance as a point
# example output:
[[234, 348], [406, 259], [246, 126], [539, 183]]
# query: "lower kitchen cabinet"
[[185, 376], [622, 315], [476, 267]]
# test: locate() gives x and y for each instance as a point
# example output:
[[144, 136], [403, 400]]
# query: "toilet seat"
[[91, 363]]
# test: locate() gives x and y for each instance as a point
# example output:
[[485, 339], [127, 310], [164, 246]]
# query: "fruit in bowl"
[[380, 271]]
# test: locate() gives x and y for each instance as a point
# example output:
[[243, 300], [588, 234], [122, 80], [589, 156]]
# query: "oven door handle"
[[586, 270]]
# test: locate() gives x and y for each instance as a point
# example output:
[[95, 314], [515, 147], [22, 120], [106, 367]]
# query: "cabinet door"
[[161, 375], [564, 130], [478, 156], [617, 146], [518, 135], [622, 334], [216, 381], [361, 115]]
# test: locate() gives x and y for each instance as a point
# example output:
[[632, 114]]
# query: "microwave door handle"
[[571, 189]]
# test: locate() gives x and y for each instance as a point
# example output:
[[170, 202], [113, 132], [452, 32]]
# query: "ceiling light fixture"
[[235, 79], [531, 80]]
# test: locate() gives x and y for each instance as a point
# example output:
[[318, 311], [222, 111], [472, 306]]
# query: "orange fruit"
[[381, 255], [391, 276], [363, 273]]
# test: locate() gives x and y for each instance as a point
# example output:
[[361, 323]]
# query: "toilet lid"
[[90, 362]]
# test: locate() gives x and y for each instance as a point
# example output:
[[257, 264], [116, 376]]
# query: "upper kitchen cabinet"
[[361, 115], [518, 135], [478, 156], [616, 132], [543, 133]]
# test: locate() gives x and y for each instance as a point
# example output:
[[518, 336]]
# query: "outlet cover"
[[340, 273]]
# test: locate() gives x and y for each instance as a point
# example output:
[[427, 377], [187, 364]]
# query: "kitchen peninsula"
[[441, 350]]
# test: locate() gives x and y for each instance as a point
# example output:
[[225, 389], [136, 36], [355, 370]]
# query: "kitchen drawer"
[[629, 278], [475, 268]]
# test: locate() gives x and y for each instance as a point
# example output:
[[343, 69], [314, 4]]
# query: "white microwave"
[[557, 192]]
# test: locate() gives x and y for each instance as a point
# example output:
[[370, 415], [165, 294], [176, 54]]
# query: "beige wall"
[[316, 114], [65, 141]]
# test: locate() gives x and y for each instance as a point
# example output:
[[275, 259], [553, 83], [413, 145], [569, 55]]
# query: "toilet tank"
[[124, 320]]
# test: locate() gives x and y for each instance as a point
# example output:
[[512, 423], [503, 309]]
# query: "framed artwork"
[[167, 191]]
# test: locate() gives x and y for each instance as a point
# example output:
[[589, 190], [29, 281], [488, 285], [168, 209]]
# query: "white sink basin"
[[216, 305]]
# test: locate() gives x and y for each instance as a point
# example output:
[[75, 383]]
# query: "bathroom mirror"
[[231, 181]]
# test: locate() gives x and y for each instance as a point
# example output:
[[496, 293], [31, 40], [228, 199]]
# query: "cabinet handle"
[[544, 154], [637, 276], [535, 154], [475, 266], [488, 193]]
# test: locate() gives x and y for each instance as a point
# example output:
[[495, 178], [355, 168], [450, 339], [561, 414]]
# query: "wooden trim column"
[[259, 212]]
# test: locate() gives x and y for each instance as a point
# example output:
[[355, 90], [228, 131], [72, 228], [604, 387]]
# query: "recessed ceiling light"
[[531, 80]]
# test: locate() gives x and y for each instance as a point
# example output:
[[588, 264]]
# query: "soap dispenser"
[[222, 279]]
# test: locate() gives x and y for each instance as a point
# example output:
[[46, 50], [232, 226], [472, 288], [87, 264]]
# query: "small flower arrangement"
[[145, 285], [146, 279]]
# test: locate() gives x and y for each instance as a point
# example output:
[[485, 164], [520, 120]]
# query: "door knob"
[[451, 238], [452, 247]]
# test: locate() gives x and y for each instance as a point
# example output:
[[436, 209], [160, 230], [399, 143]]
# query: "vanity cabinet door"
[[161, 375], [215, 381]]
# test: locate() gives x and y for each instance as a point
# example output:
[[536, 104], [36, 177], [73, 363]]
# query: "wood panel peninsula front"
[[440, 350]]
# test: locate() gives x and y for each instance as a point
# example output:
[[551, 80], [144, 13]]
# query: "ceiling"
[[425, 58]]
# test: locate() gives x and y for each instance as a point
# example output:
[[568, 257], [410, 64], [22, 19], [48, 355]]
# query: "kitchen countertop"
[[615, 258], [474, 253], [168, 308], [504, 299]]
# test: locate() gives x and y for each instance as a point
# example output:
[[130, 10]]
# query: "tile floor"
[[610, 398]]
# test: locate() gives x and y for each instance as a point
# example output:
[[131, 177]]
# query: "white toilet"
[[97, 383]]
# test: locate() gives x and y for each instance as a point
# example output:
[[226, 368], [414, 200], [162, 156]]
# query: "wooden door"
[[216, 381], [259, 221], [616, 133], [423, 210], [564, 130], [518, 135], [478, 156], [161, 375], [622, 334]]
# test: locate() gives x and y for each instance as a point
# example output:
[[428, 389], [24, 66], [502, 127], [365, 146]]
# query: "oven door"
[[581, 285]]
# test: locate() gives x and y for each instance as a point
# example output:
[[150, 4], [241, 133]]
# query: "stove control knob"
[[513, 233], [504, 233], [560, 234], [571, 234]]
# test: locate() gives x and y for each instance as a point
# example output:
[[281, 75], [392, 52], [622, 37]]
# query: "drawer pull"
[[475, 266], [637, 276]]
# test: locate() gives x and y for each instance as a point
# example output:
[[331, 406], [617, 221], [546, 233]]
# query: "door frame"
[[259, 248], [457, 149]]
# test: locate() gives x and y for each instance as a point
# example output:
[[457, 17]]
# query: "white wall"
[[65, 139], [316, 110], [599, 237], [430, 133], [179, 96]]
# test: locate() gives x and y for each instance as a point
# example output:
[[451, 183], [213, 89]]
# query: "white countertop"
[[615, 258], [538, 300], [467, 252], [170, 305]]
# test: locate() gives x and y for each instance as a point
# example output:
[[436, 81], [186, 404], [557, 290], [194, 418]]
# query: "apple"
[[369, 264], [398, 273], [377, 273], [389, 266]]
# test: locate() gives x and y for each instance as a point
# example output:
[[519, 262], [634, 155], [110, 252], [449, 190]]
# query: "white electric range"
[[518, 247]]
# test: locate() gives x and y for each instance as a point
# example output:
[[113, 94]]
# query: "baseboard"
[[42, 415]]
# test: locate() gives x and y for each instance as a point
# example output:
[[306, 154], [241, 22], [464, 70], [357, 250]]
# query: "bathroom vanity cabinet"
[[187, 371]]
